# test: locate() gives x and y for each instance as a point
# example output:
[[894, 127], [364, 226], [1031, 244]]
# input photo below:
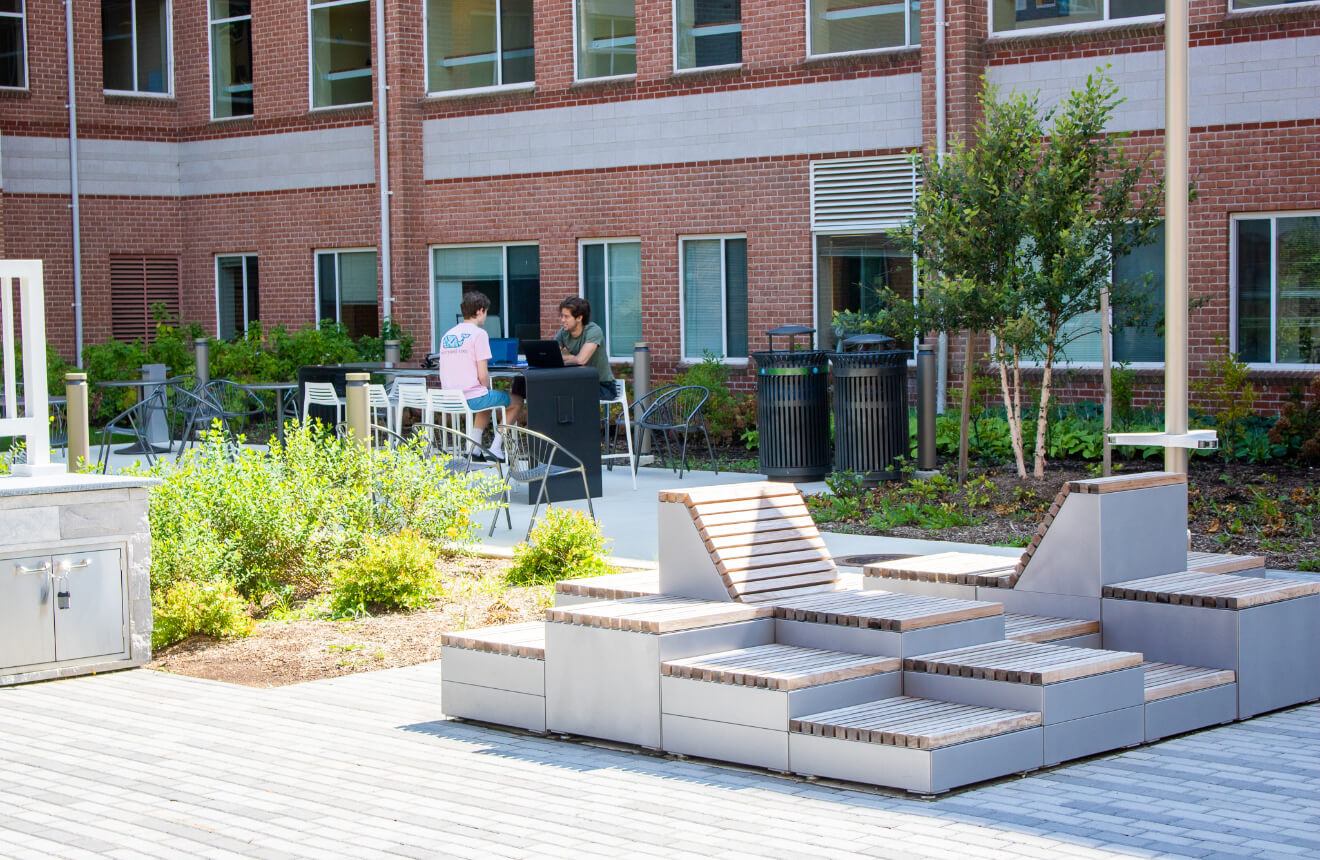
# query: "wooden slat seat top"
[[960, 568], [1022, 662], [1169, 679], [1223, 562], [747, 490], [656, 614], [882, 610], [615, 586], [779, 667], [1210, 590], [511, 640], [1119, 483], [904, 721], [1040, 628]]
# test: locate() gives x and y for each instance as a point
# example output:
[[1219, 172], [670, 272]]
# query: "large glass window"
[[1010, 15], [1240, 5], [612, 282], [849, 26], [707, 33], [606, 38], [508, 275], [346, 291], [13, 45], [1277, 280], [236, 288], [135, 45], [714, 281], [231, 58], [478, 43], [341, 52], [861, 275]]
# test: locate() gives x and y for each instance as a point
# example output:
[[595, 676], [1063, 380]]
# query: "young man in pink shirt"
[[464, 353]]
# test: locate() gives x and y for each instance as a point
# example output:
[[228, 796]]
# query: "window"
[[1242, 5], [341, 52], [478, 43], [713, 279], [850, 26], [1277, 286], [611, 273], [346, 291], [135, 45], [606, 38], [231, 58], [1015, 15], [142, 289], [13, 45], [508, 275], [707, 33], [859, 274], [236, 295]]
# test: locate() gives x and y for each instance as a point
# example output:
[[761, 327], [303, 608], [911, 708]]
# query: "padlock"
[[62, 599]]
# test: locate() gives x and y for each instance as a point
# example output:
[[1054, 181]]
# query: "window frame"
[[577, 55], [316, 281], [1103, 23], [683, 359], [210, 58], [907, 36], [1273, 364], [673, 7], [582, 284], [499, 65], [22, 28], [312, 6], [244, 257], [504, 278], [816, 236], [169, 57], [1279, 4]]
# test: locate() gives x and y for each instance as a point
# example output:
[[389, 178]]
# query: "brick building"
[[701, 170]]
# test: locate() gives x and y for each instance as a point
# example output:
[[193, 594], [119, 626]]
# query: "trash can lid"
[[863, 340], [791, 330]]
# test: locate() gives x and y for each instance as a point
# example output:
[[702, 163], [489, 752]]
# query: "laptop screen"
[[504, 350]]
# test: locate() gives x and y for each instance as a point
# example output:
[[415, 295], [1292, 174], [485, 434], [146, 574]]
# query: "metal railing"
[[29, 416]]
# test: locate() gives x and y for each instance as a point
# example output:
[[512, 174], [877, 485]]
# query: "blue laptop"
[[504, 350]]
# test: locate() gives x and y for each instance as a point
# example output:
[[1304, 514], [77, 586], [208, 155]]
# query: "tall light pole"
[[1175, 231]]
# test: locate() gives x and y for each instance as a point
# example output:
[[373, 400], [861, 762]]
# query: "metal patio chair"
[[674, 410], [534, 458]]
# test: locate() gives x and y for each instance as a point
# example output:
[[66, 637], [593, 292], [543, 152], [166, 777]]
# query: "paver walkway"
[[142, 764]]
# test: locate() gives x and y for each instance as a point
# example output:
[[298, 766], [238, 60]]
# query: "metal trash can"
[[792, 407], [870, 407]]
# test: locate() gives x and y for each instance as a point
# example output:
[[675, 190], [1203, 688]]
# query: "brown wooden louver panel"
[[136, 285]]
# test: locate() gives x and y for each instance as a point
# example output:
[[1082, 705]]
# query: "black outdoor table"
[[284, 390]]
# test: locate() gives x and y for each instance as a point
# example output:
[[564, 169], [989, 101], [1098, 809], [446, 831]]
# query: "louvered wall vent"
[[861, 194], [137, 284]]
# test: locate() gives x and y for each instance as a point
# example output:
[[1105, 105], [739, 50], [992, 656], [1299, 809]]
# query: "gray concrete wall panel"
[[504, 707], [1041, 603], [686, 568], [1196, 710], [1278, 655], [499, 671], [1095, 734], [1187, 635], [712, 739]]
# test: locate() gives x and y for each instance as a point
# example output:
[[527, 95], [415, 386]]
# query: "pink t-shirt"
[[460, 349]]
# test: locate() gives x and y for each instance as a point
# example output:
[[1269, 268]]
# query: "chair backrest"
[[453, 444], [320, 393], [449, 400], [378, 397], [620, 391], [680, 406], [530, 455], [412, 395]]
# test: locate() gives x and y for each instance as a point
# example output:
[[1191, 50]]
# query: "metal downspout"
[[941, 147], [73, 187], [383, 150]]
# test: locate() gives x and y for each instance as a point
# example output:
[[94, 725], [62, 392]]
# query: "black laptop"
[[542, 353]]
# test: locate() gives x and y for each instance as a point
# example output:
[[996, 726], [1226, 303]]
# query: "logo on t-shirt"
[[454, 341]]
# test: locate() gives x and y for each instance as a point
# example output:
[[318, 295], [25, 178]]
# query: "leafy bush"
[[565, 545], [1298, 427], [729, 414], [192, 607], [1230, 397], [394, 572]]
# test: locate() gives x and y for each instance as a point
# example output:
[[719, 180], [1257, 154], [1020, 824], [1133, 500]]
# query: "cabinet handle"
[[87, 562], [41, 568]]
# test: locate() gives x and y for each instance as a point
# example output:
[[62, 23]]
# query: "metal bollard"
[[391, 353], [926, 401], [641, 387], [202, 351], [75, 413], [355, 396]]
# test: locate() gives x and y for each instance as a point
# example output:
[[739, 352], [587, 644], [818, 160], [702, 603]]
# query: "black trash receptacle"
[[792, 408], [870, 408]]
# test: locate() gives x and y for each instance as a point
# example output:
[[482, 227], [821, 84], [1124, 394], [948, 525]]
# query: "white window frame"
[[169, 57], [210, 60], [816, 236], [244, 257], [499, 66], [1278, 5], [504, 278], [907, 34], [22, 26], [577, 72], [316, 281], [673, 6], [1104, 23], [312, 6], [724, 238], [1273, 363], [582, 283]]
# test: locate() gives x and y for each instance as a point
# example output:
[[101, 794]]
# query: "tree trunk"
[[1014, 416], [1043, 414], [964, 420]]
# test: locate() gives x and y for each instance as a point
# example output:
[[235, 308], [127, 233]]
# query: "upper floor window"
[[611, 273], [606, 37], [13, 45], [707, 33], [135, 45], [1277, 288], [713, 283], [1010, 15], [852, 26], [478, 43], [231, 58], [341, 52]]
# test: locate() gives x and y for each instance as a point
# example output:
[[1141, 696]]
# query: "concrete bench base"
[[1097, 733], [493, 688], [1190, 711]]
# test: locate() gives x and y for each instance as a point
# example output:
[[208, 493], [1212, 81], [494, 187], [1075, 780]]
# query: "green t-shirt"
[[591, 333]]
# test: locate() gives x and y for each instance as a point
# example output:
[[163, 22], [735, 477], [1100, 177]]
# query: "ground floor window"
[[346, 291], [611, 273], [142, 290], [13, 45], [508, 275], [713, 279], [859, 275], [235, 295], [1277, 288]]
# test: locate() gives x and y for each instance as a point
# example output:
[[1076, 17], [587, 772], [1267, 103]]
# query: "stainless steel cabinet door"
[[93, 623], [27, 626]]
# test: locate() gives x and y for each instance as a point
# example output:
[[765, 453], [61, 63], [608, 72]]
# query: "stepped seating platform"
[[1223, 562], [496, 674], [884, 623], [1060, 631], [615, 586], [1182, 698]]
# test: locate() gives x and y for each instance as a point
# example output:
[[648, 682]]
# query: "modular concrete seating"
[[1182, 698], [1061, 631], [615, 586], [496, 674]]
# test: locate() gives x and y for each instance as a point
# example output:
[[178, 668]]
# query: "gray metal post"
[[75, 413], [391, 353], [202, 351], [355, 397], [158, 431], [641, 387], [926, 401]]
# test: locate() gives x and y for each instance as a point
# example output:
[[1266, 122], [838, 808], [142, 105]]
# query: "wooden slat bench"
[[1212, 590], [1223, 562], [616, 586], [1038, 628], [656, 614], [779, 667], [1035, 663], [1183, 698], [495, 674]]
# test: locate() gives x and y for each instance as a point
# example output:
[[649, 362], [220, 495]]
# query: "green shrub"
[[192, 607], [1298, 427], [394, 572], [565, 545], [729, 414]]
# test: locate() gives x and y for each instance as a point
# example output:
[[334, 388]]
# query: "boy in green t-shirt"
[[583, 343]]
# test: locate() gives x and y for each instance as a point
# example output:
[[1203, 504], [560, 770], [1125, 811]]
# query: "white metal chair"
[[410, 393], [450, 403], [378, 402], [321, 394], [620, 400]]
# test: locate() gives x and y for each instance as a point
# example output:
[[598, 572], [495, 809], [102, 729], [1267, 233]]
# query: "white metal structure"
[[450, 403], [322, 394], [621, 399], [31, 418]]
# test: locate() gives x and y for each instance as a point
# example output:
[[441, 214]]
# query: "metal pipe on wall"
[[1175, 219], [941, 147], [383, 179], [73, 186]]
